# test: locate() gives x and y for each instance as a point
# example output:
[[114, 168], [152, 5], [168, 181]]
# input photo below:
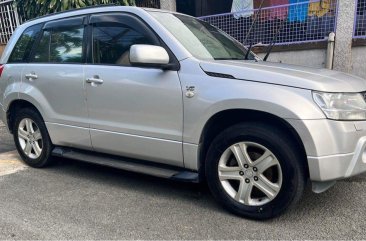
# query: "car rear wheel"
[[31, 138], [255, 171]]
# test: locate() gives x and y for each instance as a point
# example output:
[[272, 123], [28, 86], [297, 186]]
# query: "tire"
[[248, 189], [37, 139]]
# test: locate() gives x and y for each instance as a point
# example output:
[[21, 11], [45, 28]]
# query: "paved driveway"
[[6, 140], [73, 200]]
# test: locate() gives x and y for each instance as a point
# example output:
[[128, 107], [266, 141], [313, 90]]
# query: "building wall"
[[317, 57], [359, 61], [313, 58]]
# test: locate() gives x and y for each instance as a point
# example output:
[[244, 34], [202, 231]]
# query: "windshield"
[[201, 39]]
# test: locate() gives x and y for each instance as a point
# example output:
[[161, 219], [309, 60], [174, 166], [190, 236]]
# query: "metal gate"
[[9, 20]]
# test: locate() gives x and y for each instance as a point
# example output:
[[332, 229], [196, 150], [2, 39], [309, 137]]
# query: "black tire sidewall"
[[43, 159], [277, 142]]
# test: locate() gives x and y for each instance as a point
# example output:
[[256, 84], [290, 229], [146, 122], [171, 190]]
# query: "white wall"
[[359, 61], [316, 58], [313, 57]]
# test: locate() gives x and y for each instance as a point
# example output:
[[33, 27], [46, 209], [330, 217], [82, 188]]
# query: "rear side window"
[[63, 45], [24, 45], [114, 35]]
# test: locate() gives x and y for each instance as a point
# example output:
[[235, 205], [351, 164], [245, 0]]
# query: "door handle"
[[31, 76], [95, 80]]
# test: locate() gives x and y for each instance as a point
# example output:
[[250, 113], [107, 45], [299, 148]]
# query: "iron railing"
[[9, 20], [360, 20], [301, 22]]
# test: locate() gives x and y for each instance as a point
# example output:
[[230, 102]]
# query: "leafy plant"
[[29, 9]]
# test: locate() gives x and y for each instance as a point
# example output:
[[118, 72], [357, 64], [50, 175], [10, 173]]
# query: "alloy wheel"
[[250, 173], [30, 138]]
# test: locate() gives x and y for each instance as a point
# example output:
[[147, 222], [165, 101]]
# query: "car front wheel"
[[255, 171]]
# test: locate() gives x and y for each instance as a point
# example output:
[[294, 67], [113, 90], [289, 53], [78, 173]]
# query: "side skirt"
[[128, 164]]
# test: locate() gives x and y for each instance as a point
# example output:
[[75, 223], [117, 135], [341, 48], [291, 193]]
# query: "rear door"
[[54, 78], [12, 74], [134, 112]]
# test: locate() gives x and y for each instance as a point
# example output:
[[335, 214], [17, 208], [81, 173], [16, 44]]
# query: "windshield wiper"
[[251, 28], [248, 51]]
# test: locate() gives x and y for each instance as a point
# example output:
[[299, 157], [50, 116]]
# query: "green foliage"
[[29, 9]]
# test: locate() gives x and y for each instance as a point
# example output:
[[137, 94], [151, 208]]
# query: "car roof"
[[71, 10], [84, 11], [93, 9]]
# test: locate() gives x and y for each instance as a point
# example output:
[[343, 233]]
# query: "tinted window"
[[112, 41], [60, 46], [42, 50], [24, 45]]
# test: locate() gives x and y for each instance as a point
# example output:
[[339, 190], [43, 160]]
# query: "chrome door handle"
[[95, 81], [31, 76]]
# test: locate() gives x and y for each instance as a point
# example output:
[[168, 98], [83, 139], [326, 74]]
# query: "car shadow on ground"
[[199, 194], [130, 180]]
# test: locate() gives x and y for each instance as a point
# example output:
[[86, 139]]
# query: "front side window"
[[60, 46], [24, 45], [201, 39], [112, 40]]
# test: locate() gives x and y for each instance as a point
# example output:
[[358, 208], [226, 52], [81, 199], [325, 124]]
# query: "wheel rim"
[[30, 138], [250, 173]]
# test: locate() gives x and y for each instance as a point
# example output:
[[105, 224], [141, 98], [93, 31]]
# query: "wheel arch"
[[226, 118], [15, 106]]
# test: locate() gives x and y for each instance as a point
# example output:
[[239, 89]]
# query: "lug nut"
[[241, 173], [255, 169], [247, 180], [255, 178], [246, 166]]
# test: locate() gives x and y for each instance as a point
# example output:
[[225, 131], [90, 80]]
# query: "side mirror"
[[149, 56]]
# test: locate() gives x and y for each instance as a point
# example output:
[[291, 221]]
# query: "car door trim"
[[114, 132]]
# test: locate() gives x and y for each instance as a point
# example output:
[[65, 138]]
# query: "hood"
[[289, 75]]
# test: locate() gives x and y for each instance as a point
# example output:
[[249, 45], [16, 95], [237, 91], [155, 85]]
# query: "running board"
[[127, 164]]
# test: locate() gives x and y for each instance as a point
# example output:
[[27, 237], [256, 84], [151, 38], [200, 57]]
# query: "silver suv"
[[168, 95]]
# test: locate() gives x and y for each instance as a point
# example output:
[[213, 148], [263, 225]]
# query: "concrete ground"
[[73, 200], [6, 140]]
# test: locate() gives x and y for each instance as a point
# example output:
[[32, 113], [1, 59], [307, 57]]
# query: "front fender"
[[283, 102]]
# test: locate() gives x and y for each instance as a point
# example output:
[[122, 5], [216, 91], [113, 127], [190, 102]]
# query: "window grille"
[[360, 20]]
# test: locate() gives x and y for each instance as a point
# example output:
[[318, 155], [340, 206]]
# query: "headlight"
[[341, 106]]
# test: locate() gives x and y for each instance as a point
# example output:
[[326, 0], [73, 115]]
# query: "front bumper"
[[339, 166], [335, 149]]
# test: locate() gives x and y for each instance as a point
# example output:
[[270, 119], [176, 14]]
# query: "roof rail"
[[74, 10]]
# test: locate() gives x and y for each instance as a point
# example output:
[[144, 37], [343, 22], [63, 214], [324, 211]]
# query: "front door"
[[134, 112]]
